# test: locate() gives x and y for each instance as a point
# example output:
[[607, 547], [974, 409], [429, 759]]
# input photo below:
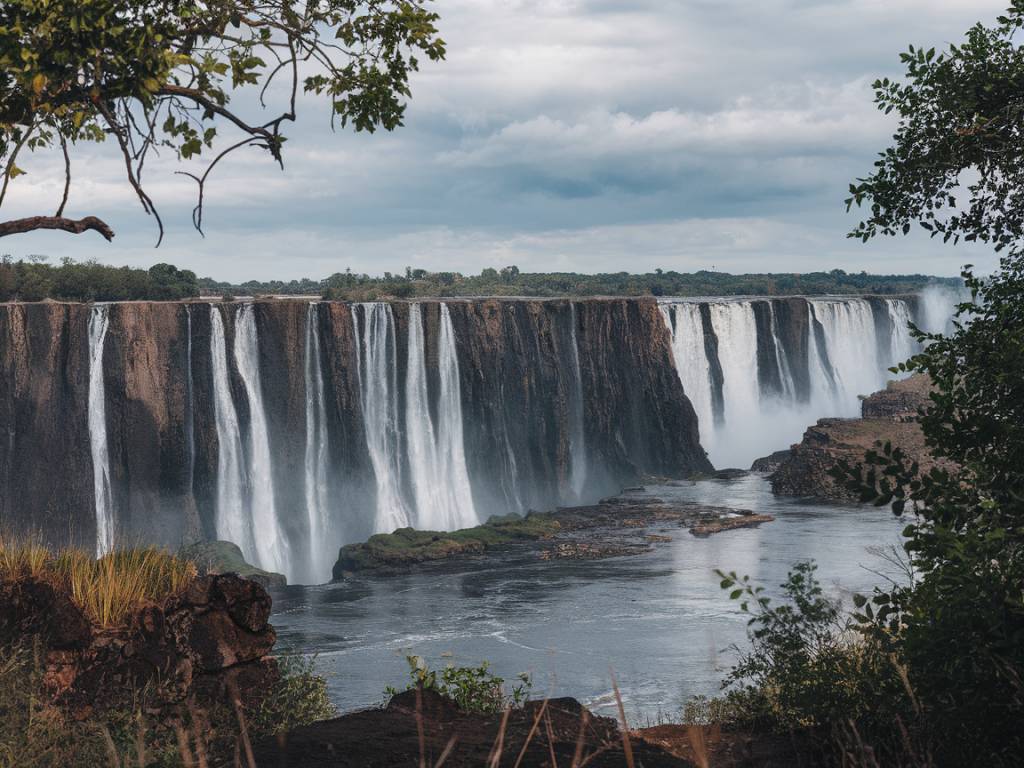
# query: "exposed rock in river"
[[615, 527], [888, 415]]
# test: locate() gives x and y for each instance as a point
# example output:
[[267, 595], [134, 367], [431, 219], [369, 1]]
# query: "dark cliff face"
[[45, 465], [524, 397]]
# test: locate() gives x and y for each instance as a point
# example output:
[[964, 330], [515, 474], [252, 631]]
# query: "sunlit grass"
[[107, 589]]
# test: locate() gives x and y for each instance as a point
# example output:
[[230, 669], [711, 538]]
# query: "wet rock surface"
[[218, 557]]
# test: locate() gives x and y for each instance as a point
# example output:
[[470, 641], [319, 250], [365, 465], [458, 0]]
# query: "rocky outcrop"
[[217, 557], [615, 527], [888, 416], [194, 647]]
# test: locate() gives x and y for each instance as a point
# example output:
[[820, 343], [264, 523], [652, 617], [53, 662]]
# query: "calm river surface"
[[658, 620]]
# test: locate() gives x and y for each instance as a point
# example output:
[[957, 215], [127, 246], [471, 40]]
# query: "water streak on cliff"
[[317, 461], [99, 321], [577, 426]]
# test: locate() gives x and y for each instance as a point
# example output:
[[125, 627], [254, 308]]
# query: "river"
[[659, 621]]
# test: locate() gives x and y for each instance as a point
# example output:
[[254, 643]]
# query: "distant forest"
[[35, 279], [511, 282]]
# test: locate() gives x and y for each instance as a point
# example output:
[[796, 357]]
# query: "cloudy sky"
[[585, 135]]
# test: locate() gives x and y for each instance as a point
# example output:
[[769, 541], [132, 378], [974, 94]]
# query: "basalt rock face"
[[556, 401], [197, 647], [888, 415]]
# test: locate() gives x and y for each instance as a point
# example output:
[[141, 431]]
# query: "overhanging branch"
[[74, 226]]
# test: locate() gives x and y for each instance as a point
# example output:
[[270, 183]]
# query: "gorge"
[[291, 427]]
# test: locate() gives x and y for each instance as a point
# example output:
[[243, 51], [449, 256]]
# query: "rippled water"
[[658, 620]]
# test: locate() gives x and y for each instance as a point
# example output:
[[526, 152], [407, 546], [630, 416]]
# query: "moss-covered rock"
[[214, 557], [406, 546]]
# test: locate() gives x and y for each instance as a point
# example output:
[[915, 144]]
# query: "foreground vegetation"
[[107, 589], [929, 670]]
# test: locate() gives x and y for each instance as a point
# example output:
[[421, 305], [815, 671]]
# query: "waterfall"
[[271, 545], [98, 322], [577, 434], [736, 328], [689, 353], [843, 347], [321, 545], [232, 518], [451, 445], [785, 374], [379, 392], [852, 345], [901, 344], [437, 457]]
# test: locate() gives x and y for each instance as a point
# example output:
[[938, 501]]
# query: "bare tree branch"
[[67, 178], [75, 226]]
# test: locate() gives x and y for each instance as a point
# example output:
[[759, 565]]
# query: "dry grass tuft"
[[107, 589]]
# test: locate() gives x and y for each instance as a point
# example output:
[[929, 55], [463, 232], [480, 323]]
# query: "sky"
[[558, 135]]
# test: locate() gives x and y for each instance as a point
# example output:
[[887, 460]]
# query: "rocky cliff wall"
[[548, 391]]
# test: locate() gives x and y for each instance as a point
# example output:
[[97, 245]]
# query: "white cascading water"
[[271, 545], [379, 390], [851, 342], [736, 330], [577, 434], [98, 323], [190, 427], [692, 364], [321, 545], [753, 423], [901, 343], [232, 519], [451, 445], [442, 496]]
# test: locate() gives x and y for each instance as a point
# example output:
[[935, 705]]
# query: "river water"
[[659, 621]]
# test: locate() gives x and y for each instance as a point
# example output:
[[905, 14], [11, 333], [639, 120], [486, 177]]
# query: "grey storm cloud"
[[562, 134]]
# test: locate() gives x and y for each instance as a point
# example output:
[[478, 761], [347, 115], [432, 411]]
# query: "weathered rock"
[[192, 647], [216, 557], [732, 523], [888, 416], [770, 462]]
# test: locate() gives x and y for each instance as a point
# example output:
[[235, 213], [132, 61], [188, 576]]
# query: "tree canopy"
[[162, 75]]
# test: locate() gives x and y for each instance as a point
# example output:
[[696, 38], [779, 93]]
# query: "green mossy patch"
[[407, 546]]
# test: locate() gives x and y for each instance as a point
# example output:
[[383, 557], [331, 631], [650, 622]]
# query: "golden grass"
[[107, 589]]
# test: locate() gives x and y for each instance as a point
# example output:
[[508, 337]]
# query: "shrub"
[[299, 698], [107, 589], [473, 689]]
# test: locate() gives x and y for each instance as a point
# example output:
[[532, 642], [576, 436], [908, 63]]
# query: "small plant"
[[299, 698], [473, 689]]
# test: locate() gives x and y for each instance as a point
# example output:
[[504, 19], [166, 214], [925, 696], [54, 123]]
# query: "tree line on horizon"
[[34, 279]]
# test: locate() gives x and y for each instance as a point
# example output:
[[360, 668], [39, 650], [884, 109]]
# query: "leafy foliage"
[[35, 280], [958, 630], [473, 689], [161, 74], [299, 698], [960, 135], [805, 667]]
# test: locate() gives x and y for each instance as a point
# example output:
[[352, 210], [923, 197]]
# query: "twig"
[[626, 745]]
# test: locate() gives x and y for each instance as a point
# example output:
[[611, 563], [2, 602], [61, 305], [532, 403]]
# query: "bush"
[[473, 689], [807, 666], [299, 698]]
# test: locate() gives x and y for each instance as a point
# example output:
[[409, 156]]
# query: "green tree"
[[161, 74], [955, 168]]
